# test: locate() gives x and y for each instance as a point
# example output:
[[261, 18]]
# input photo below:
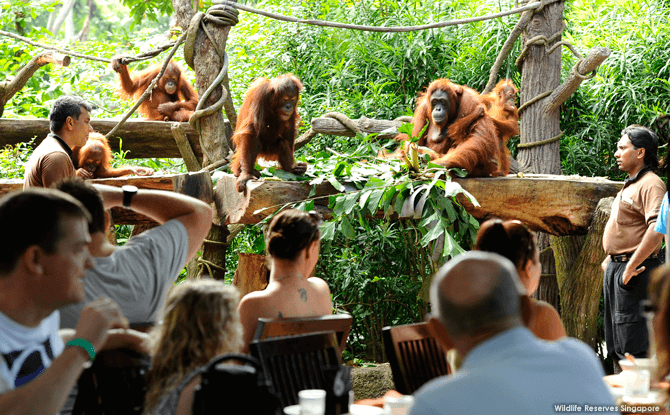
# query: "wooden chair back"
[[114, 384], [276, 327], [297, 362], [414, 355]]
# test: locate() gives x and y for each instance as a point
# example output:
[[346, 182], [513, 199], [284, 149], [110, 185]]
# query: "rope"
[[534, 100], [395, 29], [341, 118], [221, 14], [575, 71], [141, 57], [541, 142], [537, 40]]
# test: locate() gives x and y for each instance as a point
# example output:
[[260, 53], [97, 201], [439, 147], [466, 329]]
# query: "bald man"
[[476, 307]]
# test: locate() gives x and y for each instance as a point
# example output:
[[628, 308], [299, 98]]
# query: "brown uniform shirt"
[[49, 163], [635, 207]]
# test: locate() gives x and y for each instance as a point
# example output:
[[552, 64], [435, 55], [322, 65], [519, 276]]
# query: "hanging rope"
[[221, 14], [396, 29]]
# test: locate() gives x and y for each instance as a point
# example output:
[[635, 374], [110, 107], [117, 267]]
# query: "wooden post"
[[252, 274], [580, 277], [541, 72], [208, 63]]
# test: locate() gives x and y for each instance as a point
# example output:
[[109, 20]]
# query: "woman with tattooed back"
[[292, 243]]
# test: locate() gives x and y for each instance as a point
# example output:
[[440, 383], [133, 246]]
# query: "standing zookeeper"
[[631, 244]]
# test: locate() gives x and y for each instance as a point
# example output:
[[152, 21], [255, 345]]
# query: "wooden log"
[[187, 154], [263, 198], [142, 139], [252, 274], [330, 126], [169, 182], [589, 64], [197, 184], [559, 205], [580, 277]]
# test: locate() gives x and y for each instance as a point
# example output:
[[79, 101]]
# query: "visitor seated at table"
[[476, 308], [200, 322], [292, 242], [513, 240]]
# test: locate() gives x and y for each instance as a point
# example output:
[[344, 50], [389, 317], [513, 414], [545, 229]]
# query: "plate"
[[353, 410]]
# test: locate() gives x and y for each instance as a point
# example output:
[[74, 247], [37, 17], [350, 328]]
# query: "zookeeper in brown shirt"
[[631, 244], [52, 160]]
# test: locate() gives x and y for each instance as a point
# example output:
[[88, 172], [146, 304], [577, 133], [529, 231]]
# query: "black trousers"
[[625, 326]]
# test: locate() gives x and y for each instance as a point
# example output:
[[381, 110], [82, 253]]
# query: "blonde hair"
[[200, 322]]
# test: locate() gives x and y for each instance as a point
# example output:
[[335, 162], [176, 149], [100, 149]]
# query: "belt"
[[627, 257]]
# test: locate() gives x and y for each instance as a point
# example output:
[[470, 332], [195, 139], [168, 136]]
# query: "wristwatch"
[[128, 192]]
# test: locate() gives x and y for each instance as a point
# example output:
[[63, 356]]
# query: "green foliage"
[[631, 87], [13, 158]]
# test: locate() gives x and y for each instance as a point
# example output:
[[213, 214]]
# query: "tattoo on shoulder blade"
[[303, 294]]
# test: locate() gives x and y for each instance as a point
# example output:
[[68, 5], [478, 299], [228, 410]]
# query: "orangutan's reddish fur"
[[501, 106], [466, 139], [266, 126], [95, 156], [160, 105]]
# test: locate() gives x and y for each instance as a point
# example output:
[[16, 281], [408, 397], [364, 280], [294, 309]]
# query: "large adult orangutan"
[[266, 127], [173, 98], [459, 133]]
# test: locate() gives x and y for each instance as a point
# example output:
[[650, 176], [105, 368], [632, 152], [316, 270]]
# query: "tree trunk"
[[541, 73], [208, 64], [580, 277], [67, 7]]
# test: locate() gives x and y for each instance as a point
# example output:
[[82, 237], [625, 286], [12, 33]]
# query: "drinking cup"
[[312, 401]]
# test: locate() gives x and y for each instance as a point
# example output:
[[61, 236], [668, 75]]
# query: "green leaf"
[[432, 234], [347, 228], [336, 184], [350, 202], [364, 199], [328, 230], [376, 196]]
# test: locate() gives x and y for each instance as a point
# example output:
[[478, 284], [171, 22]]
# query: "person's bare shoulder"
[[548, 324]]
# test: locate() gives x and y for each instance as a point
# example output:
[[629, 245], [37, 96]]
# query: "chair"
[[274, 327], [297, 362], [114, 384], [414, 356]]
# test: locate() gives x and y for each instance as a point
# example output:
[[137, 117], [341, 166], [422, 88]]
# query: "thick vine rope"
[[395, 29]]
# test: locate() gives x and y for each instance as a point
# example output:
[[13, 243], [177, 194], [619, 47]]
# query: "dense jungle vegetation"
[[375, 268]]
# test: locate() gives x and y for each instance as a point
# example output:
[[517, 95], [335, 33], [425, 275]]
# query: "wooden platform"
[[197, 184], [559, 205]]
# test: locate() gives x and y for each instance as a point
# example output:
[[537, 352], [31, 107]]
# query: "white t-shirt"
[[26, 351]]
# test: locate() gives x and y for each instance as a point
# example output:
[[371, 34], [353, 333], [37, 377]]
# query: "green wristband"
[[84, 344]]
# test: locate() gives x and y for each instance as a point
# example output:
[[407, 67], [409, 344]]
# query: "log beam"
[[197, 184], [559, 205], [143, 139]]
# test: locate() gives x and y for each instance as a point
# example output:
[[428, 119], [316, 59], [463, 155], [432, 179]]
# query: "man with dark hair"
[[476, 308], [42, 267], [52, 159], [631, 244], [137, 275]]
